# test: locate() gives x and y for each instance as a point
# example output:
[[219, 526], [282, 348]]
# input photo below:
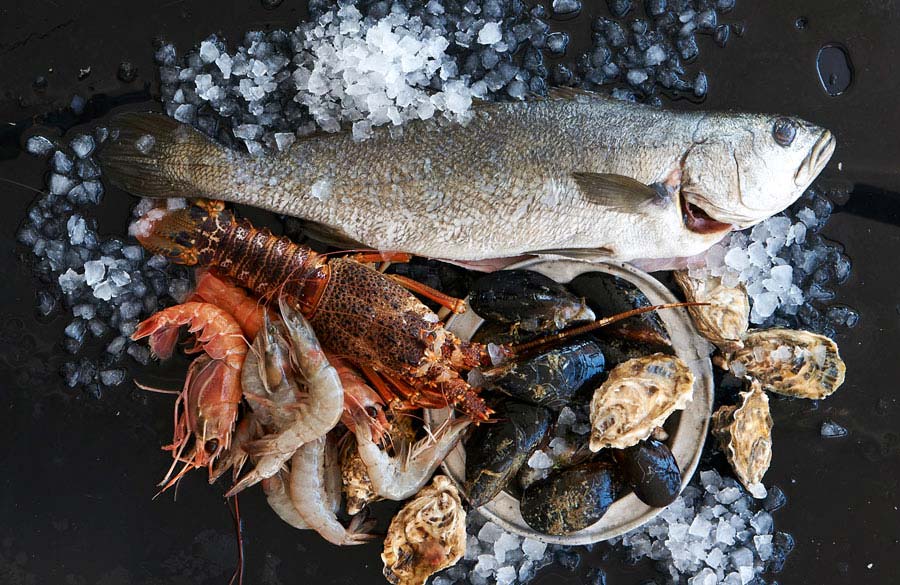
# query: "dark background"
[[77, 475]]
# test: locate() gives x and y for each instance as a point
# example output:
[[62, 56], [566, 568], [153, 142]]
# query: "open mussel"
[[790, 362], [609, 295], [571, 499], [726, 319], [528, 300], [496, 451], [650, 469], [551, 378], [638, 396], [744, 432]]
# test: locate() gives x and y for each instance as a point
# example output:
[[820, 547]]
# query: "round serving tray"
[[687, 429]]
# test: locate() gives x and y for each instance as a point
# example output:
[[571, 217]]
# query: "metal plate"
[[686, 441]]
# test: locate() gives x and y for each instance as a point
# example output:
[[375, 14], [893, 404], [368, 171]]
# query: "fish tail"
[[172, 233], [152, 155]]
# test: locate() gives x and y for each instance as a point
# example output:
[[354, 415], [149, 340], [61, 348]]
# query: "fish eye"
[[211, 445], [784, 130]]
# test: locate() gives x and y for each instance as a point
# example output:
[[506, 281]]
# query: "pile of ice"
[[371, 63], [372, 73], [494, 555], [107, 284], [645, 55], [787, 268], [713, 533]]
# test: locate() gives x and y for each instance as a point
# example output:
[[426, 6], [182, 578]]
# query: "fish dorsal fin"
[[571, 93], [620, 191]]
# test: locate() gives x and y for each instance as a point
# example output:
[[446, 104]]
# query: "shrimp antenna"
[[235, 511], [520, 348]]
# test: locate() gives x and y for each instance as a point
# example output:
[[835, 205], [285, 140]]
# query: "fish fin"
[[583, 254], [571, 93], [619, 191], [329, 235], [162, 168]]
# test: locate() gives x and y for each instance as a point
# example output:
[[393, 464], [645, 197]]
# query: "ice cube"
[[490, 532], [208, 51], [831, 429], [486, 565], [540, 460], [700, 527], [60, 184], [490, 34], [534, 549], [82, 145], [112, 377], [504, 544], [39, 145], [145, 143], [283, 140]]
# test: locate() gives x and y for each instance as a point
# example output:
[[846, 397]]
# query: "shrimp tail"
[[155, 156]]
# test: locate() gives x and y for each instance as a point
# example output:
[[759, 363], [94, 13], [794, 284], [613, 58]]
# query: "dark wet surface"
[[79, 474]]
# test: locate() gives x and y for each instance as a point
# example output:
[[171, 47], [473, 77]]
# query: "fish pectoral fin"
[[619, 191], [583, 254]]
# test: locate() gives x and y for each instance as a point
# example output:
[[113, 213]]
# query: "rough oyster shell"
[[789, 362], [638, 396], [428, 534], [355, 480], [745, 435], [725, 321]]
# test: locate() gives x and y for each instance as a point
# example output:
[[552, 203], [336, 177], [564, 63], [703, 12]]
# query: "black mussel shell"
[[530, 300], [551, 378], [500, 333], [495, 451], [610, 295], [650, 469], [572, 499], [617, 350]]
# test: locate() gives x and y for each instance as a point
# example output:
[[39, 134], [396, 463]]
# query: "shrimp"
[[360, 400], [232, 299], [401, 476], [236, 455], [310, 418], [312, 481], [207, 407]]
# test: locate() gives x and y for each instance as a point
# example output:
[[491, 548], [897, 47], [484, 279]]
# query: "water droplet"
[[801, 23], [835, 69]]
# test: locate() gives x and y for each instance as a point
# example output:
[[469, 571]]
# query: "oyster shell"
[[744, 432], [725, 321], [357, 485], [789, 362], [638, 396], [428, 534]]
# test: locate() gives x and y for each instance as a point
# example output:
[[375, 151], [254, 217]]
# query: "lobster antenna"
[[520, 348]]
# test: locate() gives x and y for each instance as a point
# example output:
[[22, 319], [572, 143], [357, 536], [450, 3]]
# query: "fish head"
[[744, 168]]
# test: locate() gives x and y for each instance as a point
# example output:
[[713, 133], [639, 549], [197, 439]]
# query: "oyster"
[[745, 435], [638, 396], [428, 534], [726, 319], [789, 362], [356, 482]]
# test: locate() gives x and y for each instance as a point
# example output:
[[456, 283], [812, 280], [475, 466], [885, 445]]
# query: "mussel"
[[636, 398], [650, 469], [608, 295], [551, 378], [572, 499], [527, 299], [496, 451]]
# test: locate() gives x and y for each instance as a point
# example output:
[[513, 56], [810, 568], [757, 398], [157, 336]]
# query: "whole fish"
[[575, 175]]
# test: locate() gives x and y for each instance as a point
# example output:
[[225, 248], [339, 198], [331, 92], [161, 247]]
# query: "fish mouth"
[[698, 221], [818, 157]]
